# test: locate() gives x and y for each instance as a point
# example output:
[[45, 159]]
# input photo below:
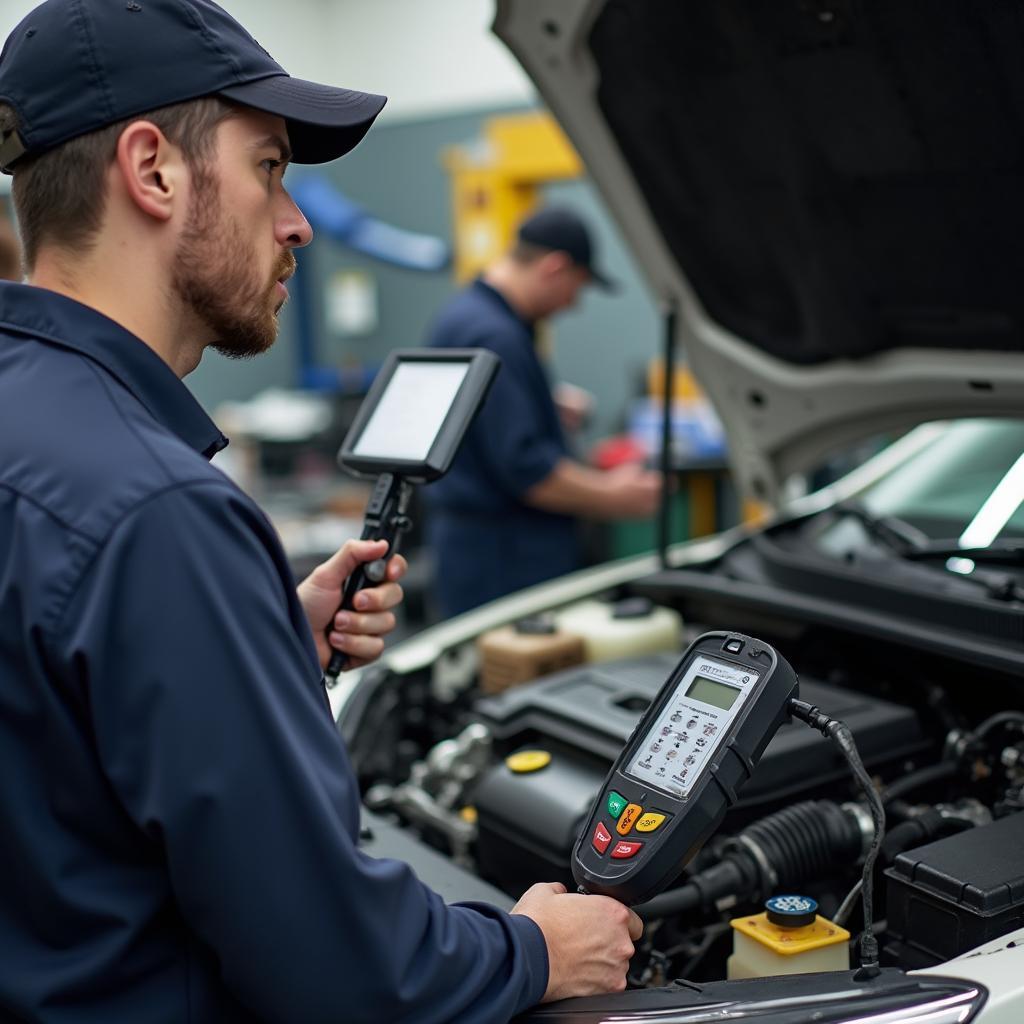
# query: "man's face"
[[554, 283], [570, 283], [235, 249]]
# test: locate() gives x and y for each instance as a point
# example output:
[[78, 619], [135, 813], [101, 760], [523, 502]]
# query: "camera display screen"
[[411, 411]]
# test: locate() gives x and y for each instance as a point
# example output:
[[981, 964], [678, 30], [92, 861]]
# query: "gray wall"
[[396, 172]]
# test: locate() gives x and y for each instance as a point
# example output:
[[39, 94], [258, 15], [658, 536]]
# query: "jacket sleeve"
[[212, 727]]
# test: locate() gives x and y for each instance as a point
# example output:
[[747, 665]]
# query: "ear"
[[555, 262], [151, 169]]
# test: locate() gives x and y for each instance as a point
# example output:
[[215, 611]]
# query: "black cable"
[[922, 777], [840, 732], [1003, 718]]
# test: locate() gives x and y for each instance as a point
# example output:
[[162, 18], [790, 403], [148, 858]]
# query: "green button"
[[616, 803]]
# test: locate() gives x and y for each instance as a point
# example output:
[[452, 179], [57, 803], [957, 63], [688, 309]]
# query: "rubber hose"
[[805, 841], [798, 843]]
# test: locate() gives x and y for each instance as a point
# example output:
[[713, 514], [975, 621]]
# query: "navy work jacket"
[[487, 540], [178, 818]]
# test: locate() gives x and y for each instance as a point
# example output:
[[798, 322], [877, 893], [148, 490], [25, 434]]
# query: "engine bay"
[[498, 785]]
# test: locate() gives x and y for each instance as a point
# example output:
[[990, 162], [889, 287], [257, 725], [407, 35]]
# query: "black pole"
[[665, 511]]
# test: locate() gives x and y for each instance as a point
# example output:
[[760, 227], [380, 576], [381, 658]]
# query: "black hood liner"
[[834, 178]]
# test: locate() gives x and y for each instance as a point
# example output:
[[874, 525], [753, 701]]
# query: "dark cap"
[[73, 66], [560, 229]]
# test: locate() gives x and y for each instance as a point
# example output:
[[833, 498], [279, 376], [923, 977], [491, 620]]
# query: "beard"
[[214, 279]]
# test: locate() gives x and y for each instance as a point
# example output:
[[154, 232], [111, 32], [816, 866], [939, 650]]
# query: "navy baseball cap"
[[73, 66], [561, 229]]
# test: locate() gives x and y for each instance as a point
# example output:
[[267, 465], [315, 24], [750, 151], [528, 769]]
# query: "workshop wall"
[[397, 174]]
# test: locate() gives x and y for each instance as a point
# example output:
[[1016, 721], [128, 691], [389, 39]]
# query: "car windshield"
[[966, 488]]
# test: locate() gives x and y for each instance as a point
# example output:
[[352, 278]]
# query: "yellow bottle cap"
[[528, 761], [789, 941]]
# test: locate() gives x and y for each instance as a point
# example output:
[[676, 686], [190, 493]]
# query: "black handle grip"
[[386, 520], [368, 574]]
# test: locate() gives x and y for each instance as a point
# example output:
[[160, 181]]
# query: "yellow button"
[[629, 815], [528, 761], [650, 822]]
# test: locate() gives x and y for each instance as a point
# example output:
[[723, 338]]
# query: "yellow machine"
[[496, 183]]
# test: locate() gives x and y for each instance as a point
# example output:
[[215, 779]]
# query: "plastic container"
[[790, 938], [621, 630], [525, 651]]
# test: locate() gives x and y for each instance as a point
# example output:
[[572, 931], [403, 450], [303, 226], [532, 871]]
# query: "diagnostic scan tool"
[[683, 767], [407, 431]]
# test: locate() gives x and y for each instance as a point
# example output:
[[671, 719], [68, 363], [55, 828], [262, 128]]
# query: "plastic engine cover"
[[528, 822]]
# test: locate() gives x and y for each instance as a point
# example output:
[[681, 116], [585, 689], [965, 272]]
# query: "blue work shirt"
[[177, 813], [487, 540]]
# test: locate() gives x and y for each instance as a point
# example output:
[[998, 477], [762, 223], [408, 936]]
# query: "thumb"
[[343, 562]]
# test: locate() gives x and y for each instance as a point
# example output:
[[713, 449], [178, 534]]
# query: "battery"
[[957, 893]]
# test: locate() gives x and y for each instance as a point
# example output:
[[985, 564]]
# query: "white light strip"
[[996, 512]]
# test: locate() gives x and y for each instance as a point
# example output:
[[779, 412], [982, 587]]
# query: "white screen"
[[411, 411], [676, 749]]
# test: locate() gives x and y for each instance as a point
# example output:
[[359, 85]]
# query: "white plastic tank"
[[621, 629]]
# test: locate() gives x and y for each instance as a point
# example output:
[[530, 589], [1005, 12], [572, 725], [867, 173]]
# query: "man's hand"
[[589, 938], [358, 633], [633, 492]]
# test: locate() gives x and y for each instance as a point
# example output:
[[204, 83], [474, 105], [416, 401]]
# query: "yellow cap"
[[528, 761], [468, 814], [789, 941]]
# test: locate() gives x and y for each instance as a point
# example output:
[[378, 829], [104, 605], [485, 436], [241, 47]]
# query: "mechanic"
[[179, 818], [505, 516]]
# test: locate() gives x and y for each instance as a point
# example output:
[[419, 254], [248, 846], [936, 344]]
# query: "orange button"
[[626, 819]]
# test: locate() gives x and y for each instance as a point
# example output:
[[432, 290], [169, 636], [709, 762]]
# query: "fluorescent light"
[[997, 510]]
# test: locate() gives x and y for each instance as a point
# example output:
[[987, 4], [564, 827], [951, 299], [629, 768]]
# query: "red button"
[[623, 851], [602, 837]]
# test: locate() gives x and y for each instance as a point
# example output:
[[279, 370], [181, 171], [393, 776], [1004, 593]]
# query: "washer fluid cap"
[[526, 761], [632, 608], [791, 911]]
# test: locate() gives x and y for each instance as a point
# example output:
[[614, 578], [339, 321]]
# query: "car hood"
[[828, 193]]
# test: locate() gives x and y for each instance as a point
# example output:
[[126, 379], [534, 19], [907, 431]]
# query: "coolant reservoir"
[[621, 629], [525, 651], [789, 938]]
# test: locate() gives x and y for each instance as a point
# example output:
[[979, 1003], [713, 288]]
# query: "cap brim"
[[602, 281], [324, 122]]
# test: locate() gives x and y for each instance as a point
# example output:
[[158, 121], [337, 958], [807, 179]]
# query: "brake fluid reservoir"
[[789, 938], [625, 628]]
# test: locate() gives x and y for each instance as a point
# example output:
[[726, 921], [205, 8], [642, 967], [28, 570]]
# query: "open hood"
[[830, 193]]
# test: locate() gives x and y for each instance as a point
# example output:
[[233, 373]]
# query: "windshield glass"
[[967, 487]]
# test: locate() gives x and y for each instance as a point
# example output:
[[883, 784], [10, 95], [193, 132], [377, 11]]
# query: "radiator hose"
[[781, 851]]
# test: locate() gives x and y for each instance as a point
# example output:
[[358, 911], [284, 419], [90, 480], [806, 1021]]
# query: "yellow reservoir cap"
[[526, 761], [790, 941]]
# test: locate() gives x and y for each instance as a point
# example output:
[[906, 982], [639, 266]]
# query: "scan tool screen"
[[411, 411]]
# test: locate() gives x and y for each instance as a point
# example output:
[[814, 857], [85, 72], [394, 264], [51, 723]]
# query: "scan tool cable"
[[840, 733]]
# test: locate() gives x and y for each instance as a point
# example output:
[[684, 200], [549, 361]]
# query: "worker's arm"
[[627, 492], [194, 662]]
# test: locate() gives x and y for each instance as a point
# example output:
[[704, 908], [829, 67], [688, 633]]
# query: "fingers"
[[589, 939], [341, 564], [371, 623], [380, 598], [397, 566], [359, 648]]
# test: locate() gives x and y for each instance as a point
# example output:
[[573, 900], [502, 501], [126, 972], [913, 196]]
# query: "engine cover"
[[528, 821]]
